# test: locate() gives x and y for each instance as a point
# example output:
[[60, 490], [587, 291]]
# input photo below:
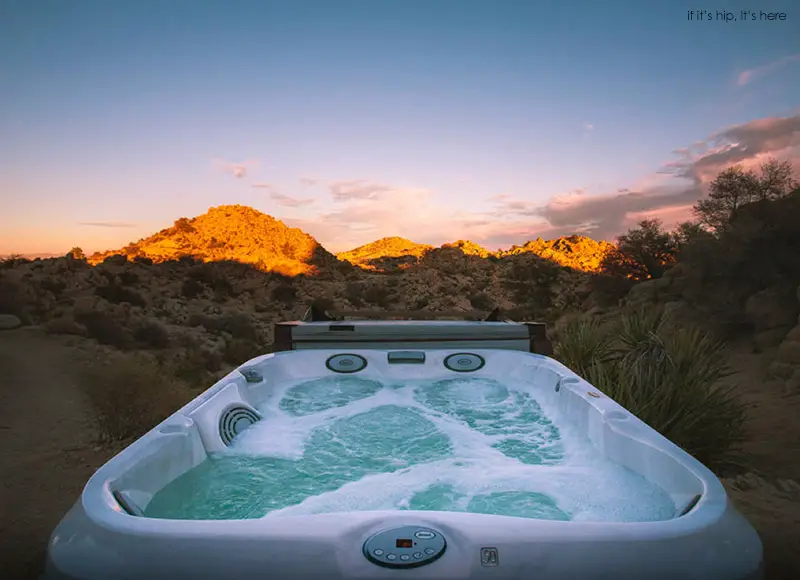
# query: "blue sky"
[[434, 120]]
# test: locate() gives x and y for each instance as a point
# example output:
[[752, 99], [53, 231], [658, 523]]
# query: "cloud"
[[262, 186], [365, 210], [108, 224], [749, 75], [357, 189], [308, 181], [588, 126], [238, 170], [671, 192], [288, 201]]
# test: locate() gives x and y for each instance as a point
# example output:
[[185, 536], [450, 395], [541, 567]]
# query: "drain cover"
[[464, 362]]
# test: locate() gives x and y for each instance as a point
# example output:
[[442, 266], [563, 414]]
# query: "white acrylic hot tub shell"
[[97, 539]]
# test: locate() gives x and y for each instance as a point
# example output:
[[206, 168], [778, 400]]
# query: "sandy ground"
[[47, 453]]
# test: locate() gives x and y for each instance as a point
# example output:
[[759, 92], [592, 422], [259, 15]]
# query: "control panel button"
[[418, 555], [425, 535], [391, 557], [405, 557], [429, 551], [378, 552]]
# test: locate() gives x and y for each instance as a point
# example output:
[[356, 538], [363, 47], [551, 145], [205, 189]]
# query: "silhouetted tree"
[[644, 252], [735, 187]]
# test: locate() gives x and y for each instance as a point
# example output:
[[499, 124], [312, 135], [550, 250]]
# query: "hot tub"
[[382, 463]]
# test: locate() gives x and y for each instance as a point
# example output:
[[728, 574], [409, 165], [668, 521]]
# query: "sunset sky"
[[496, 121]]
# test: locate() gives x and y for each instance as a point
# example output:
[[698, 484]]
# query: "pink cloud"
[[365, 211], [237, 169], [747, 76]]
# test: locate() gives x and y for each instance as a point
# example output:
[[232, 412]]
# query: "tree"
[[736, 187], [644, 252], [77, 253]]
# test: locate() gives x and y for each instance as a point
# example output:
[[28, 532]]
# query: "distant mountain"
[[243, 234], [30, 256], [576, 252], [371, 256], [232, 232]]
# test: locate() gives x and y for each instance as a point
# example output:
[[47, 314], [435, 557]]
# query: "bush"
[[152, 335], [197, 367], [377, 294], [130, 395], [481, 301], [284, 292], [11, 298], [238, 351], [116, 294], [53, 285], [64, 325], [668, 376], [128, 278], [237, 325], [104, 329], [192, 288]]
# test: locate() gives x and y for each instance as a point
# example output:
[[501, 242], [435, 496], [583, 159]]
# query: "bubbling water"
[[473, 445]]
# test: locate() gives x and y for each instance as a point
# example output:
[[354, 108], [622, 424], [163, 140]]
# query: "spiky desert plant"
[[669, 376]]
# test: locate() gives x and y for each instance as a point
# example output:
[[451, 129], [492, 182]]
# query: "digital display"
[[404, 544]]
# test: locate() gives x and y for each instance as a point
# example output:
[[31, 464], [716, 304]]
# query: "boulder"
[[771, 308], [769, 338], [9, 322], [789, 352]]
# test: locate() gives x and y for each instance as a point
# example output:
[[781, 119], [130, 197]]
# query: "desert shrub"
[[353, 291], [13, 261], [377, 294], [104, 329], [481, 301], [237, 351], [284, 292], [192, 288], [143, 260], [130, 394], [64, 325], [152, 335], [54, 285], [210, 275], [238, 326], [197, 367], [117, 294], [324, 303], [667, 375], [11, 299], [128, 278]]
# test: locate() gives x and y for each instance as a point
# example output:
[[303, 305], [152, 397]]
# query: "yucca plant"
[[667, 375]]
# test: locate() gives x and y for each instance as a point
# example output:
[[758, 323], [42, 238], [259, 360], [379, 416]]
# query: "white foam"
[[582, 483]]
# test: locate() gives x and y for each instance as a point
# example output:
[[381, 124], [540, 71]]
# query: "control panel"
[[405, 547]]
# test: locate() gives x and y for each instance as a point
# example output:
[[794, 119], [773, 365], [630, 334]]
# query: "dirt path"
[[769, 496], [47, 452], [46, 448]]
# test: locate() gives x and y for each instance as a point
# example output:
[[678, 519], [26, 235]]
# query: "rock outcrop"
[[786, 366]]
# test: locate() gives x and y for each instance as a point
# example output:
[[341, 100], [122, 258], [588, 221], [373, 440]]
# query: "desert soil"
[[48, 452]]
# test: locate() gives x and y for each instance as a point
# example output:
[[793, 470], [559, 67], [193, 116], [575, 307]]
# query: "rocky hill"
[[381, 253], [231, 232], [576, 252]]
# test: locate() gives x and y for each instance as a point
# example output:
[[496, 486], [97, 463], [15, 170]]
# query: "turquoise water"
[[471, 445]]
